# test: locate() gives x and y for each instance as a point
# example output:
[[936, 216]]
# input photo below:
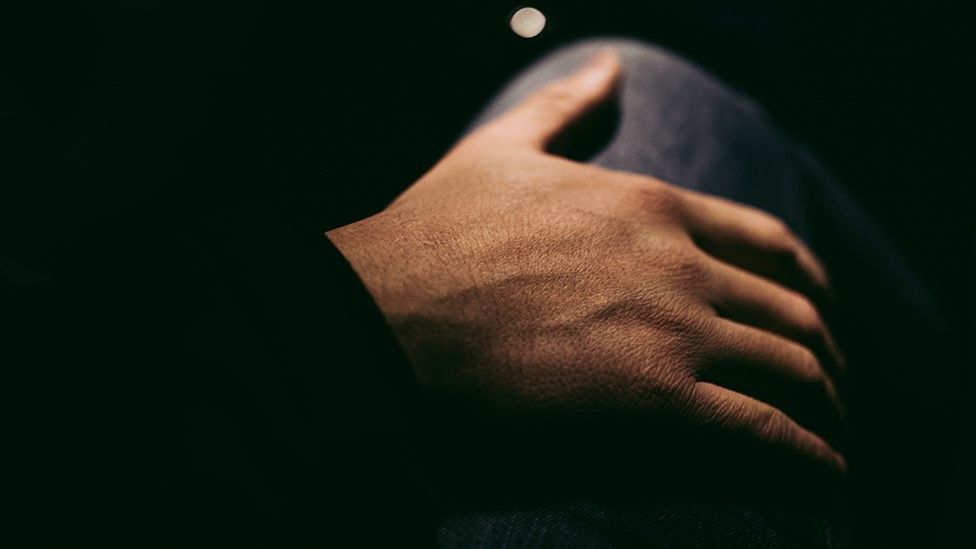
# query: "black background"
[[190, 106], [107, 103]]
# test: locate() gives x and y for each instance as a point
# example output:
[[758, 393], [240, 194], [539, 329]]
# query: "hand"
[[528, 282]]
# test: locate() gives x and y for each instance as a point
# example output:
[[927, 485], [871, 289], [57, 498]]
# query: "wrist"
[[365, 252], [387, 252]]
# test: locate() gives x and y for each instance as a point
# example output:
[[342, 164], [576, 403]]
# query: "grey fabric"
[[678, 123]]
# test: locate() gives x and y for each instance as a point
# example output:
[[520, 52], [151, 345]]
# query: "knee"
[[650, 67], [655, 80]]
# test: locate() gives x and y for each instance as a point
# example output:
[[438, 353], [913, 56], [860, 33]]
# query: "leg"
[[677, 123]]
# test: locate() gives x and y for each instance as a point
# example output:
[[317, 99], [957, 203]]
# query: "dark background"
[[106, 103], [194, 106]]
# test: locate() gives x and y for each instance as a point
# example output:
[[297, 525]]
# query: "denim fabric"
[[675, 122], [583, 524]]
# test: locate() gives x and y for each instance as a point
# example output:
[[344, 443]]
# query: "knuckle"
[[670, 385], [696, 328], [683, 334], [685, 261], [656, 196]]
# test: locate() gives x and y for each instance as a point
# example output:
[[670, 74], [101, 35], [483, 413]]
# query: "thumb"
[[541, 116]]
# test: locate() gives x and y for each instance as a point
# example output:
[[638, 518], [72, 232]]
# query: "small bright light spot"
[[528, 22]]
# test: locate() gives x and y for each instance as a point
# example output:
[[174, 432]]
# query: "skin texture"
[[529, 283]]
